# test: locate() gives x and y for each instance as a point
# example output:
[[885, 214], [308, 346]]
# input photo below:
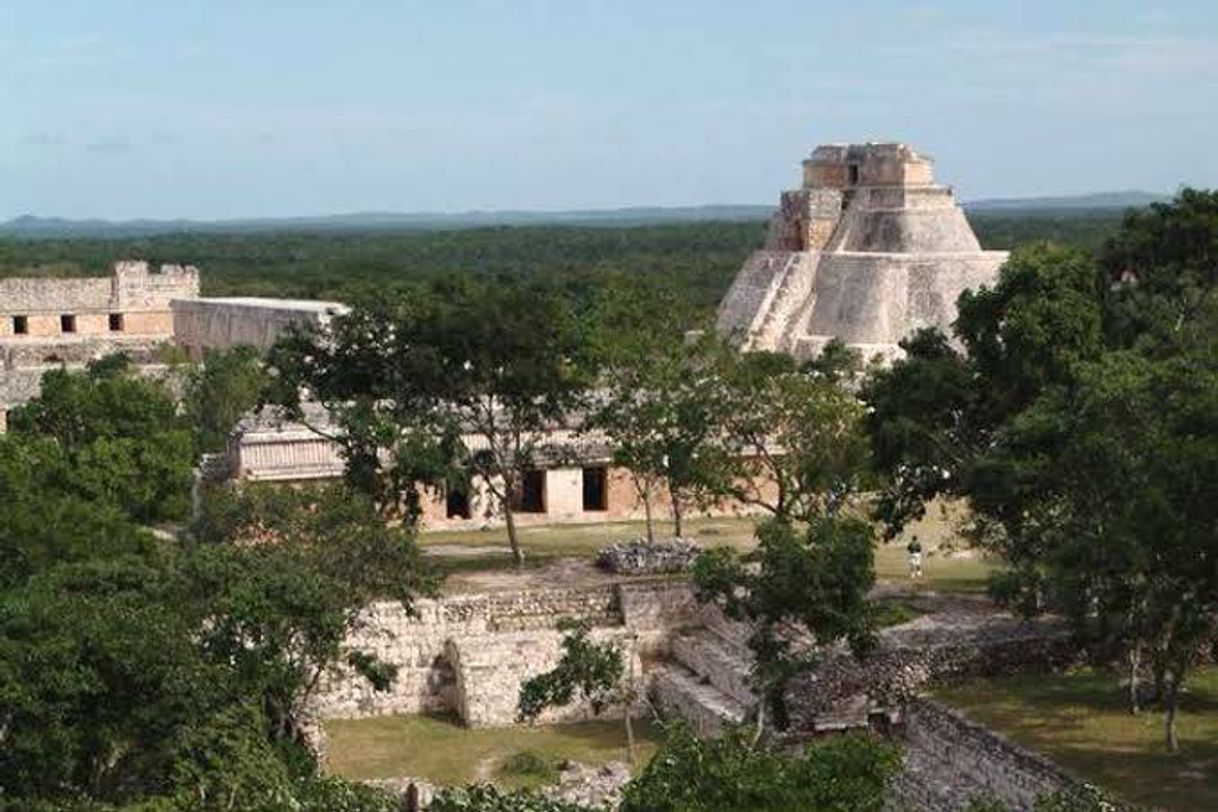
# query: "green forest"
[[697, 259]]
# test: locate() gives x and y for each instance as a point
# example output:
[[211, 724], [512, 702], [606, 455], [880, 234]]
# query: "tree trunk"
[[629, 738], [630, 705], [651, 530], [676, 513], [1169, 721], [513, 541], [1135, 662]]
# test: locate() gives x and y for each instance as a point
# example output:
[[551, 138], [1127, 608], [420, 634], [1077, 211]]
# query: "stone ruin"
[[468, 655], [868, 250]]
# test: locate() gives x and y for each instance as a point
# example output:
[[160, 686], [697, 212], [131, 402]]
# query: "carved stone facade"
[[868, 250]]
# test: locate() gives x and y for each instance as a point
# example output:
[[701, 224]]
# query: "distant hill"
[[1089, 202], [33, 227]]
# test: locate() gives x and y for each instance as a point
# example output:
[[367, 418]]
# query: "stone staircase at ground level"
[[707, 682]]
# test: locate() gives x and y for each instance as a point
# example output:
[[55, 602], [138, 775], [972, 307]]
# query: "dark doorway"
[[67, 323], [854, 174], [456, 502], [596, 490], [532, 495], [21, 325], [116, 322]]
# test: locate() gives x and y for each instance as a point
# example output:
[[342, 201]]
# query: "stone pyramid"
[[868, 250]]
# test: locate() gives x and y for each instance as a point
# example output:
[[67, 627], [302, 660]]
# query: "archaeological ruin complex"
[[867, 250]]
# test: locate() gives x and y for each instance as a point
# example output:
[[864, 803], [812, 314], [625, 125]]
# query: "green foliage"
[[218, 393], [409, 378], [486, 798], [587, 670], [151, 676], [1079, 422], [1166, 257], [817, 579], [797, 438], [698, 259], [118, 438], [692, 774], [661, 405]]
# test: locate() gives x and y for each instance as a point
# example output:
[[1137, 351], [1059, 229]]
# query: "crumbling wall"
[[951, 760], [469, 654]]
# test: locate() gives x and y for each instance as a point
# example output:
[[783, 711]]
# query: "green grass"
[[1081, 721], [547, 543], [442, 751]]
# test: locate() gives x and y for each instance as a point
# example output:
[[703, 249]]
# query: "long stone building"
[[867, 250]]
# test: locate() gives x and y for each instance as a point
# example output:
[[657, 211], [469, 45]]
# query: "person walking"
[[915, 558]]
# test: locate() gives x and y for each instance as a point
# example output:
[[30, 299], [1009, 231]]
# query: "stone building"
[[46, 323], [574, 480], [867, 250]]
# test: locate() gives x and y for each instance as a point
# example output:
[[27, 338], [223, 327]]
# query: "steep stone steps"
[[676, 690], [714, 660]]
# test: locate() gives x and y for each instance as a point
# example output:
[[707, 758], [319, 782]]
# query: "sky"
[[217, 109]]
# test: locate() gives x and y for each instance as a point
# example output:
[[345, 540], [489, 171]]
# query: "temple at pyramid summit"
[[868, 250]]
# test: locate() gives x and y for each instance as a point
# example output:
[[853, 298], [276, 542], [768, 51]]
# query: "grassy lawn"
[[469, 550], [1081, 722], [442, 751]]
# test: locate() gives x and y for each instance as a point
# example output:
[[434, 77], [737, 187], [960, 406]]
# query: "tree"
[[662, 412], [798, 591], [120, 437], [734, 771], [153, 674], [225, 387], [1076, 417], [799, 450], [588, 671], [281, 584], [461, 379]]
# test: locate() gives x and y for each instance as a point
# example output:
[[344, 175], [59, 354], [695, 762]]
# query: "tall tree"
[[219, 392], [1076, 418], [120, 436], [799, 451], [662, 411], [457, 379], [799, 590]]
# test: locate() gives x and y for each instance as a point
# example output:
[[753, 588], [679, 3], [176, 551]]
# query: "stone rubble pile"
[[594, 787], [641, 557]]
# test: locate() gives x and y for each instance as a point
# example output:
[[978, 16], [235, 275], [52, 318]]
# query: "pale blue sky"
[[168, 108]]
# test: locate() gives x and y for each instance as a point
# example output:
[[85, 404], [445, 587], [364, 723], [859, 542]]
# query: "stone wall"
[[204, 324], [951, 760], [469, 654], [132, 289]]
